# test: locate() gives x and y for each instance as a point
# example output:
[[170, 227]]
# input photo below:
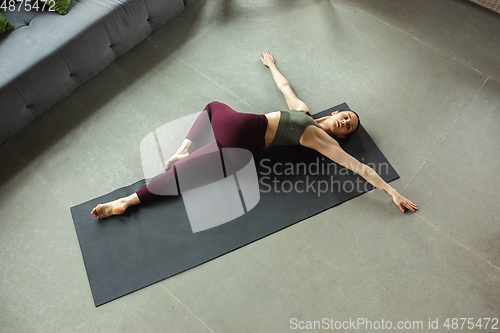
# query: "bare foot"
[[173, 159], [116, 207]]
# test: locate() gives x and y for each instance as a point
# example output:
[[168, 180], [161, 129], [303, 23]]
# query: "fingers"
[[266, 53], [268, 58], [408, 205]]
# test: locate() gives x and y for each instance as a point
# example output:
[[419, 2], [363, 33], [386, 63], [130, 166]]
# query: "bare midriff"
[[273, 118]]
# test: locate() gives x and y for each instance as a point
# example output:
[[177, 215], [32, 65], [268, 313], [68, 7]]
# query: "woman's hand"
[[403, 203], [268, 59]]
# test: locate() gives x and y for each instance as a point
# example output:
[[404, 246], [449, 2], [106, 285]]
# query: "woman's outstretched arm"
[[326, 145], [293, 102]]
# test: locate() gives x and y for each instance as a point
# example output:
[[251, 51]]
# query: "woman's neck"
[[323, 121]]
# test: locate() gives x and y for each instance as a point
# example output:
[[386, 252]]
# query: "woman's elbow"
[[283, 85]]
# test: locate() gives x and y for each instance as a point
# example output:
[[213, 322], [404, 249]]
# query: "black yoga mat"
[[154, 241]]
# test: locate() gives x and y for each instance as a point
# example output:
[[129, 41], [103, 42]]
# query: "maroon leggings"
[[231, 130]]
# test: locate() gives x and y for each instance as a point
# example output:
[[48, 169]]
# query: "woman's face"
[[343, 123]]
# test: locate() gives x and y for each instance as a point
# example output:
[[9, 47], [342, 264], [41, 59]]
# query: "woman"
[[253, 132]]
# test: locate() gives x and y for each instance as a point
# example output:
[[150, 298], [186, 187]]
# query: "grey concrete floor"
[[425, 78]]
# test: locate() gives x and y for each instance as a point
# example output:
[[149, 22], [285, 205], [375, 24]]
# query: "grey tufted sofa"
[[48, 55]]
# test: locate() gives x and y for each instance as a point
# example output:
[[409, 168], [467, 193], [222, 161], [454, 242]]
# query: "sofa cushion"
[[54, 53], [14, 114], [59, 6], [4, 24]]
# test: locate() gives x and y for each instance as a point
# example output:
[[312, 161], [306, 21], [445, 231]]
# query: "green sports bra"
[[291, 126]]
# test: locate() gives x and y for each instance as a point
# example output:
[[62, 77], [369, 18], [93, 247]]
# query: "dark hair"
[[356, 129]]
